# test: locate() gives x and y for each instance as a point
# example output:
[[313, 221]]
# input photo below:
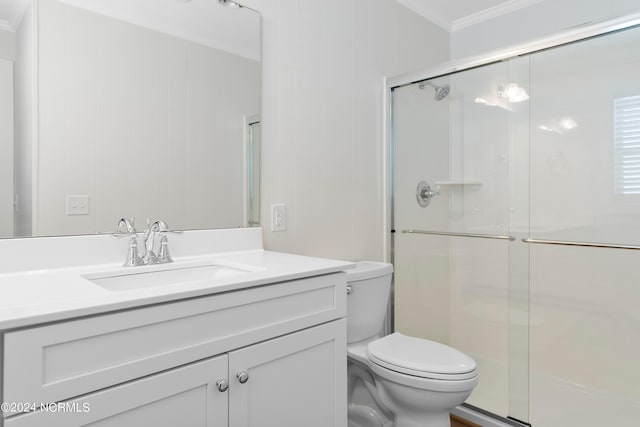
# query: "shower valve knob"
[[424, 194], [427, 194]]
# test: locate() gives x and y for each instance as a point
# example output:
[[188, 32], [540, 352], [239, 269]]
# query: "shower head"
[[441, 91]]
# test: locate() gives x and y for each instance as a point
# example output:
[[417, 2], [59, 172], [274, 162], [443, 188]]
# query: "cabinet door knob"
[[223, 385], [243, 376]]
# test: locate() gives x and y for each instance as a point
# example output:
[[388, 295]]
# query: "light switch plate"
[[77, 205], [278, 217]]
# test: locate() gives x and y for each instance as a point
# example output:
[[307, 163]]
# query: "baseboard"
[[473, 418]]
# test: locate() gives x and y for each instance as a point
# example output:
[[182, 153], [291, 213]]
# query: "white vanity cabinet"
[[281, 347], [185, 396]]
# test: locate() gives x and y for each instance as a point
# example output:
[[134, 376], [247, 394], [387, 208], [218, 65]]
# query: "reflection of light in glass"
[[491, 104], [513, 93], [568, 123], [559, 126]]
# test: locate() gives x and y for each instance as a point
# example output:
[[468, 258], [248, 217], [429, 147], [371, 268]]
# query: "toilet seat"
[[421, 358], [427, 384]]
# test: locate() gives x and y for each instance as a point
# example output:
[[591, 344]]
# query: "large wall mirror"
[[128, 108]]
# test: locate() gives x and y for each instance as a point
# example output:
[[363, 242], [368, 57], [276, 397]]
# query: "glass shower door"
[[585, 176], [460, 278], [523, 250]]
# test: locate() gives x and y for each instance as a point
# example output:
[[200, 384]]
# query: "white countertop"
[[53, 294]]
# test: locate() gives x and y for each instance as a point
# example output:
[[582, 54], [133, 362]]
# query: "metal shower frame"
[[576, 34]]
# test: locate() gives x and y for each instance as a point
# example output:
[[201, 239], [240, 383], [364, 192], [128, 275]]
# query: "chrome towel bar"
[[525, 240], [583, 244], [446, 233]]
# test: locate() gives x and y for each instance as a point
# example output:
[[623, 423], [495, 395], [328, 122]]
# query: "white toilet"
[[412, 382]]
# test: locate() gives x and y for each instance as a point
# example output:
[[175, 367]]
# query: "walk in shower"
[[516, 223]]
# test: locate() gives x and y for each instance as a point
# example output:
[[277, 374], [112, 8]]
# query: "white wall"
[[324, 63], [540, 19], [7, 55], [24, 106], [139, 121], [6, 148], [7, 44]]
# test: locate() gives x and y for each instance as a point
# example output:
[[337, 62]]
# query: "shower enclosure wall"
[[516, 211]]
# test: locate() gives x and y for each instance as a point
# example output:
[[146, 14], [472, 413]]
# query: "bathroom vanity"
[[227, 335]]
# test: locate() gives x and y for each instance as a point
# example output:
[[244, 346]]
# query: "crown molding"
[[13, 12], [419, 7], [492, 12]]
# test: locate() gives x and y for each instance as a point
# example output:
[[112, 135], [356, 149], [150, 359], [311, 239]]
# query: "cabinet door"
[[296, 380], [186, 396]]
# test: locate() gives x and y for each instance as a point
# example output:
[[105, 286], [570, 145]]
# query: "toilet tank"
[[370, 284]]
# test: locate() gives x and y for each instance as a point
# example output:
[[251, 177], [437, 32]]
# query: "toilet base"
[[419, 407], [365, 416]]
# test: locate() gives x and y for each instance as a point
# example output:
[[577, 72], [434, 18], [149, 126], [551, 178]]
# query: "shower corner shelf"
[[458, 183]]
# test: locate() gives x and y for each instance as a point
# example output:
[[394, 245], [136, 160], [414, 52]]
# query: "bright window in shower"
[[627, 145]]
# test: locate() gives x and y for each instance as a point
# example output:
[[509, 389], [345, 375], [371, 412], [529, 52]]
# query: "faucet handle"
[[164, 255], [163, 229], [133, 257], [125, 228]]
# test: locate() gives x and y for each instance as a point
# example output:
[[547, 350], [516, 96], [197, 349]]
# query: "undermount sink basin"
[[163, 275]]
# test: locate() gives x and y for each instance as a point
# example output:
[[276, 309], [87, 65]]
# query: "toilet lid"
[[368, 270], [421, 358]]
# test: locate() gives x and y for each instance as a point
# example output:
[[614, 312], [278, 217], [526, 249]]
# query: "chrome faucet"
[[126, 229]]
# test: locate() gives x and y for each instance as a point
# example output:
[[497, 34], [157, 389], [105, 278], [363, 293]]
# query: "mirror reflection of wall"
[[138, 109], [253, 146], [6, 147]]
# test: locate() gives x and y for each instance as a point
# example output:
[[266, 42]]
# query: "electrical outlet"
[[278, 217], [77, 205]]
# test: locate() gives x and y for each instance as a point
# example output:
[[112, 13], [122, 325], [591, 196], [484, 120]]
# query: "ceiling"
[[205, 22], [453, 15]]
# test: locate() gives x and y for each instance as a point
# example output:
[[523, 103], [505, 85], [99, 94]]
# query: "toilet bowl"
[[413, 382]]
